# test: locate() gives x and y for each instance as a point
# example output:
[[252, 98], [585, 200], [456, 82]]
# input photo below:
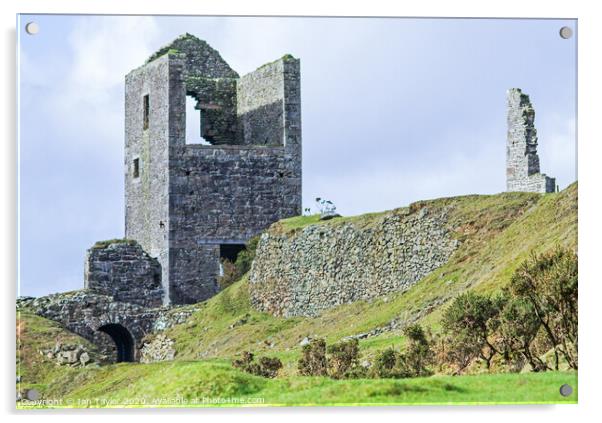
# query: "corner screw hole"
[[566, 390], [566, 32]]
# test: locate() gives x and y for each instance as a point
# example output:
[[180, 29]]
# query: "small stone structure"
[[118, 328], [124, 271], [190, 205], [522, 161], [324, 265]]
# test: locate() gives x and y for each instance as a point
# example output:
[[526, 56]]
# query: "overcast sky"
[[393, 110]]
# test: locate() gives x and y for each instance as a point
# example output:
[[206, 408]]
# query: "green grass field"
[[203, 383]]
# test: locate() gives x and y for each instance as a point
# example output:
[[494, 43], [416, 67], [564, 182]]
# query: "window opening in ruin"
[[193, 123], [136, 170], [124, 342], [145, 111]]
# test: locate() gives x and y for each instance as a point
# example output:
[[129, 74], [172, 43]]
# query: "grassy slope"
[[498, 232], [36, 334]]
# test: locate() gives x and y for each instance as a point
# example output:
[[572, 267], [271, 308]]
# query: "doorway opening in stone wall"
[[229, 271], [124, 342], [193, 122]]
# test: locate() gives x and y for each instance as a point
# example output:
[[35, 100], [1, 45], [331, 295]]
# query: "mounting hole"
[[32, 28], [566, 32], [566, 390], [32, 395]]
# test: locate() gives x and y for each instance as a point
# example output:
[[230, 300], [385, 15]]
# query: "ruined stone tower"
[[522, 161], [188, 205]]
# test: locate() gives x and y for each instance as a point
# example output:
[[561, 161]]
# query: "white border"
[[589, 153]]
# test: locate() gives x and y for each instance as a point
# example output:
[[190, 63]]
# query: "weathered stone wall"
[[260, 100], [124, 271], [189, 199], [522, 161], [222, 195], [85, 312], [304, 272], [147, 196]]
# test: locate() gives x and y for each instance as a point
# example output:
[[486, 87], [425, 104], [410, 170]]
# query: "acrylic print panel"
[[296, 211]]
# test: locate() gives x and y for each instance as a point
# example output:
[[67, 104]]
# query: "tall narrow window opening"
[[145, 111], [136, 169]]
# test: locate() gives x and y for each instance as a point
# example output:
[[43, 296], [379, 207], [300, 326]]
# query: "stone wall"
[[302, 273], [522, 160], [124, 271], [86, 313], [222, 195], [147, 195], [260, 102]]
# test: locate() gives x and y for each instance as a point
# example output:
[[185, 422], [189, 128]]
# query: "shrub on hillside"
[[469, 325], [535, 314], [418, 355], [413, 362], [265, 366], [387, 364], [313, 360], [545, 287], [343, 360], [519, 327]]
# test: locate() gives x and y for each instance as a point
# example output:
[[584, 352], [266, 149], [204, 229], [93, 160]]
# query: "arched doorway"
[[123, 340]]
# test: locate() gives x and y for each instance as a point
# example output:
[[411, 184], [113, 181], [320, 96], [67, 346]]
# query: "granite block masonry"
[[190, 205], [522, 161]]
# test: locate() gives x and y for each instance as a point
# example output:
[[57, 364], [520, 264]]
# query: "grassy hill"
[[497, 232]]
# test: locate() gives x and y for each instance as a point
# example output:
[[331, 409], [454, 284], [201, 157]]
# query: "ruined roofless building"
[[522, 161], [188, 205]]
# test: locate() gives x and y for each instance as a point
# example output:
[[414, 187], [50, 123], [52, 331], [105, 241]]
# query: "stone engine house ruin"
[[188, 205], [522, 161]]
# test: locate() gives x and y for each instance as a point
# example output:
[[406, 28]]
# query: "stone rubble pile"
[[160, 348], [69, 355]]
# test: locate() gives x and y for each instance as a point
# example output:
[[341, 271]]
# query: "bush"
[[387, 364], [545, 286], [343, 360], [313, 361], [536, 313], [469, 324], [413, 362], [519, 327], [266, 367], [418, 355], [269, 366]]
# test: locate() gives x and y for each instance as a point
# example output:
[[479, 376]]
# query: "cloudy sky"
[[394, 111]]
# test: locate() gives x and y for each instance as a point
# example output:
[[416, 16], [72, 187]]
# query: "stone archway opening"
[[124, 342]]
